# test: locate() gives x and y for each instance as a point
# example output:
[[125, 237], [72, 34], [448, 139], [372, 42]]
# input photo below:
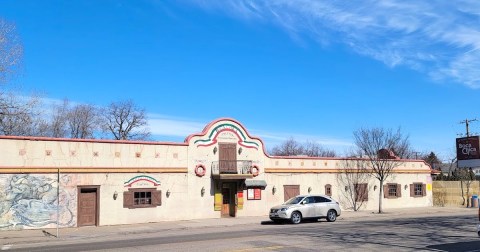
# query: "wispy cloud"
[[165, 125], [438, 38]]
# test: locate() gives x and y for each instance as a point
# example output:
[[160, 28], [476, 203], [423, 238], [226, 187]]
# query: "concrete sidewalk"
[[9, 238]]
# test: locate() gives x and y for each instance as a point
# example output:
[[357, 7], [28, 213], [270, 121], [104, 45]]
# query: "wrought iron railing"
[[231, 167]]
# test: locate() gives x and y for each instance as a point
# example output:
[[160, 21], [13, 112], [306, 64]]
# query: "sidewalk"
[[8, 238]]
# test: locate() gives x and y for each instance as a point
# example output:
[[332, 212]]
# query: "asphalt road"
[[453, 233]]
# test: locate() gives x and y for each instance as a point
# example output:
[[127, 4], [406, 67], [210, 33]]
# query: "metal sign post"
[[58, 198]]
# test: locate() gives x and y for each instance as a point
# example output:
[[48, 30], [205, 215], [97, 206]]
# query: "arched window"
[[328, 190]]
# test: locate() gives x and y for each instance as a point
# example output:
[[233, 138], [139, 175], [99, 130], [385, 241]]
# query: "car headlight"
[[284, 209]]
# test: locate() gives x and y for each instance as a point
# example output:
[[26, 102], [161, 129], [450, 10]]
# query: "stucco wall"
[[29, 168]]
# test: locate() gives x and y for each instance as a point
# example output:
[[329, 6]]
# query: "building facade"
[[220, 172]]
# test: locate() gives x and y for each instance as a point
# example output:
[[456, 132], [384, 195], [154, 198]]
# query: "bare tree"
[[83, 121], [19, 115], [313, 149], [11, 49], [58, 122], [466, 177], [379, 147], [292, 147], [353, 183], [125, 121]]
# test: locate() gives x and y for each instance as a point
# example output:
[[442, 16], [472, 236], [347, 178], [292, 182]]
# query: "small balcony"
[[232, 169]]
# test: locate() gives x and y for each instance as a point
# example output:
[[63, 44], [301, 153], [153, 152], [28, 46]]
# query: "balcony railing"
[[231, 167]]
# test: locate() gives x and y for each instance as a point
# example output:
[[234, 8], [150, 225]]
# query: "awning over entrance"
[[255, 183]]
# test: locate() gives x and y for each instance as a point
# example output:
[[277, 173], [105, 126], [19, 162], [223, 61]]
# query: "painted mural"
[[211, 139], [142, 180], [31, 201]]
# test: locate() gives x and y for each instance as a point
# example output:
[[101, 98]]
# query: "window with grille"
[[418, 190], [392, 191], [142, 197], [328, 190]]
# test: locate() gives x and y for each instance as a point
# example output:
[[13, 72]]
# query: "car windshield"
[[294, 200]]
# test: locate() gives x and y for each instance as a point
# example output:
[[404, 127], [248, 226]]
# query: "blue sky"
[[312, 70]]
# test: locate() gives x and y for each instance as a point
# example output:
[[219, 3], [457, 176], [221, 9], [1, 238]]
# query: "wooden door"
[[87, 207], [226, 202], [227, 156], [290, 191], [229, 202]]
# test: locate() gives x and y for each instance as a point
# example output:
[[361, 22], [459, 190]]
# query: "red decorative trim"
[[143, 179], [211, 124], [31, 138], [214, 141]]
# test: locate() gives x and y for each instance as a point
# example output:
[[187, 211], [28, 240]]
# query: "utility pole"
[[467, 122]]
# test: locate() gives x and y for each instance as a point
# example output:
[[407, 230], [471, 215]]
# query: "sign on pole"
[[468, 151]]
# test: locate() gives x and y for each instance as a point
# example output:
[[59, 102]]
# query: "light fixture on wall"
[[115, 195], [346, 188], [309, 189], [406, 186], [202, 191], [274, 189], [215, 150], [167, 193], [375, 187], [240, 150]]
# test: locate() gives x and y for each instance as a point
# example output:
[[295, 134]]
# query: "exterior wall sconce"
[[215, 150], [240, 150], [274, 189], [375, 187], [405, 187], [202, 191], [309, 189], [167, 193], [115, 195], [346, 188]]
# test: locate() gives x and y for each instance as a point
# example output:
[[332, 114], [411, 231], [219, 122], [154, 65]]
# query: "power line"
[[467, 122]]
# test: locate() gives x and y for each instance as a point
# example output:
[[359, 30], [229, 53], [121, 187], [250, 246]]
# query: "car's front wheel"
[[331, 216], [296, 217]]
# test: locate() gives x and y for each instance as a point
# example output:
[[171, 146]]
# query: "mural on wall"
[[31, 201], [226, 127]]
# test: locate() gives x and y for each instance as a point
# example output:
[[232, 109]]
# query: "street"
[[382, 233]]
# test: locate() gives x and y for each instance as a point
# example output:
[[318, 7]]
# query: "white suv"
[[306, 207]]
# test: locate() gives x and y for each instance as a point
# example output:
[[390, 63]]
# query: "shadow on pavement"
[[458, 246]]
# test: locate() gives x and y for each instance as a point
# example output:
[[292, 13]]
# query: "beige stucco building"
[[220, 172]]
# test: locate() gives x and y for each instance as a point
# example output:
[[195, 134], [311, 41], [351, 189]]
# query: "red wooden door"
[[87, 207], [290, 191]]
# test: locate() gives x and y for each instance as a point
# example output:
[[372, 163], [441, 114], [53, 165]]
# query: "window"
[[309, 200], [328, 190], [142, 197], [361, 192], [418, 190], [392, 191], [254, 193], [319, 199]]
